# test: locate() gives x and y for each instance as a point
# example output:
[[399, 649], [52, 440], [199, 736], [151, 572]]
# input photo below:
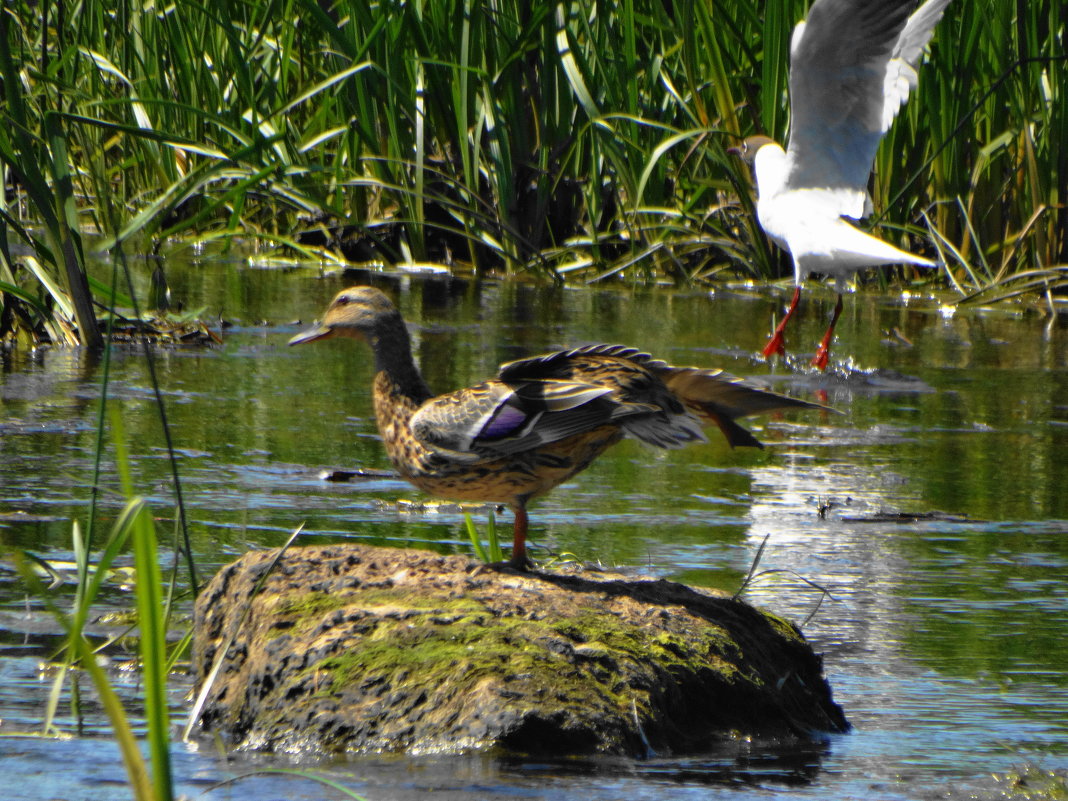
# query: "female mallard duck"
[[541, 420]]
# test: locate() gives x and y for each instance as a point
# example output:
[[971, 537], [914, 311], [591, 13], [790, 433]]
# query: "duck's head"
[[359, 312], [747, 150]]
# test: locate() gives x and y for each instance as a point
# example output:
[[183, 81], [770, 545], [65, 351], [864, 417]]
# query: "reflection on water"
[[944, 635]]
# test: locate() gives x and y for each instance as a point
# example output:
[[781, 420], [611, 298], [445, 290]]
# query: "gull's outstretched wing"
[[852, 64], [901, 76]]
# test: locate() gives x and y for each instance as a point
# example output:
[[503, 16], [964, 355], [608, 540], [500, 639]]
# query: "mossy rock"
[[355, 648]]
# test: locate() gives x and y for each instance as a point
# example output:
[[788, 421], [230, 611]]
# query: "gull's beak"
[[736, 151], [318, 332]]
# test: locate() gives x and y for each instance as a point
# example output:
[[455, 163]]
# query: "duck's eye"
[[341, 300]]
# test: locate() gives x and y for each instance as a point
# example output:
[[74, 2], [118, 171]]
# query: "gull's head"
[[747, 150], [358, 312], [768, 160]]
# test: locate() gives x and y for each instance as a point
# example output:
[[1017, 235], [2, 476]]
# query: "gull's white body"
[[852, 66], [810, 225]]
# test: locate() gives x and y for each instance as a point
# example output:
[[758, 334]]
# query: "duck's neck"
[[393, 358], [398, 391]]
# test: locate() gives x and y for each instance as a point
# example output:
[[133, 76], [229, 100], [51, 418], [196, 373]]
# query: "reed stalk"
[[577, 140]]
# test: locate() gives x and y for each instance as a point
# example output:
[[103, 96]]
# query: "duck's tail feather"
[[719, 398], [720, 393]]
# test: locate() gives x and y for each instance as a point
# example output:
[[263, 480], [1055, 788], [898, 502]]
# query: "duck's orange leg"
[[824, 350], [519, 560], [777, 344]]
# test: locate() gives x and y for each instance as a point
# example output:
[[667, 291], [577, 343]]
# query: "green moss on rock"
[[368, 649]]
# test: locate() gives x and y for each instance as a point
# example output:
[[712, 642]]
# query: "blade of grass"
[[153, 627], [82, 653], [495, 553], [476, 541]]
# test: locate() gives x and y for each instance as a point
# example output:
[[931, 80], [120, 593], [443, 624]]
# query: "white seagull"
[[852, 64]]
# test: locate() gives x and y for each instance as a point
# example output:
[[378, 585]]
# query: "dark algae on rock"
[[350, 648]]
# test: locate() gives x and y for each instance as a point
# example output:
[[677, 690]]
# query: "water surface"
[[932, 510]]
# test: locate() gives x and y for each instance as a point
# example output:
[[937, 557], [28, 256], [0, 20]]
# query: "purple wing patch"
[[506, 421]]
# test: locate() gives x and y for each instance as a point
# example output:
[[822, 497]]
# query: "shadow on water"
[[944, 638], [740, 763]]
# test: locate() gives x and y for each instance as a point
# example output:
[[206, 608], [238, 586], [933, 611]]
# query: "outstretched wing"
[[852, 64], [901, 75], [685, 397], [568, 364]]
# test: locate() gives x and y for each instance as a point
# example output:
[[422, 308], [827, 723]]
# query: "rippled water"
[[932, 510]]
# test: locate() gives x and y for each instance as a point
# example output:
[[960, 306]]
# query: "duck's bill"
[[312, 334]]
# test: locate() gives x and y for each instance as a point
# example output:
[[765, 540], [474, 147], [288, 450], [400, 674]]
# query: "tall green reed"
[[34, 152], [577, 140]]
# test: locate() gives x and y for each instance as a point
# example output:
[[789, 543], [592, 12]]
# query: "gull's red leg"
[[824, 349], [777, 344]]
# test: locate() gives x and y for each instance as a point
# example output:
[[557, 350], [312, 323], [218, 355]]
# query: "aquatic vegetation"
[[491, 551], [133, 528], [574, 141], [1034, 783]]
